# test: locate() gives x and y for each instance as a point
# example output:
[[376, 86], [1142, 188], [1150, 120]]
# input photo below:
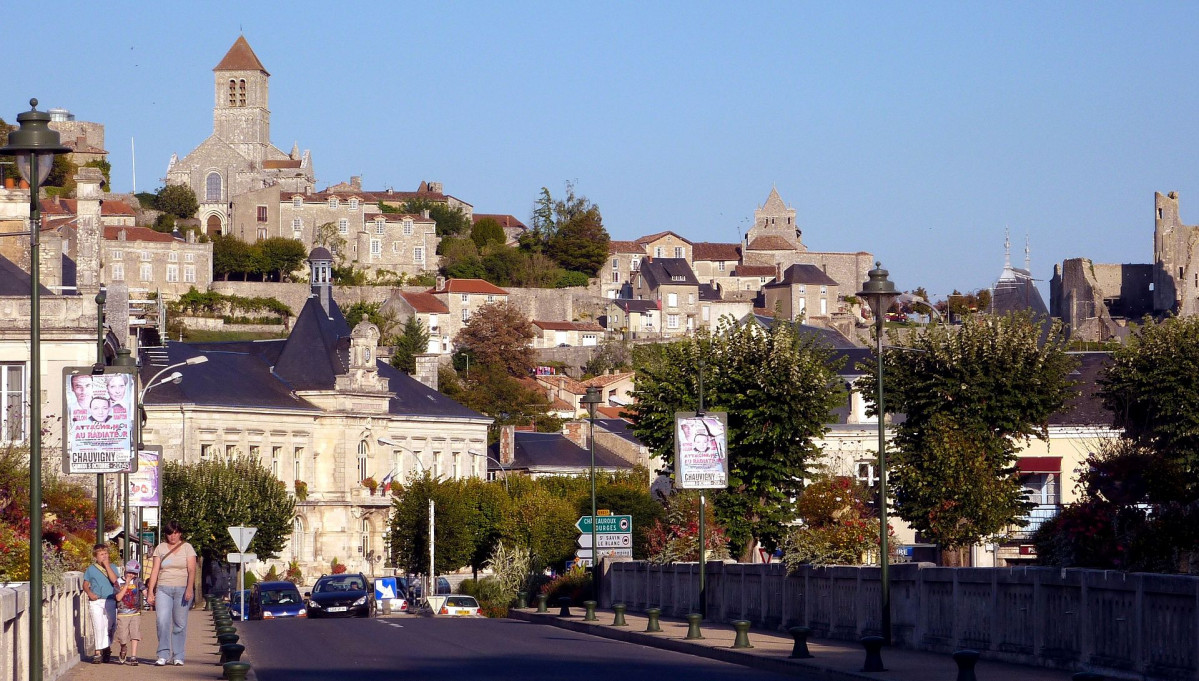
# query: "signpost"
[[608, 524], [241, 539], [613, 535], [701, 462]]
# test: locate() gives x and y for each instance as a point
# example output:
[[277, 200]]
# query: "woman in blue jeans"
[[170, 591]]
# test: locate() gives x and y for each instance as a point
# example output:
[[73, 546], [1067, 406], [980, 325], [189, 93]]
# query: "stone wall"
[[65, 632], [295, 294], [1132, 625]]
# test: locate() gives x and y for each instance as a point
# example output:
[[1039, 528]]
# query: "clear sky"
[[915, 131]]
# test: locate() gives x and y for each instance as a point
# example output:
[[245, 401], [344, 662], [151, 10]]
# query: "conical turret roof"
[[240, 57]]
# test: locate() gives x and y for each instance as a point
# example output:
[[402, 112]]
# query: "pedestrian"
[[99, 583], [170, 588], [129, 613]]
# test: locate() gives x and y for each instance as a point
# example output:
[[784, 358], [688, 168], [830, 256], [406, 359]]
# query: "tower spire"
[[1007, 248], [1027, 255]]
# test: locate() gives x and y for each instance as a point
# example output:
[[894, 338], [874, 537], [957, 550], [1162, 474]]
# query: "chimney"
[[436, 188], [425, 214], [426, 369], [778, 271], [507, 444], [440, 283], [576, 432], [356, 182], [89, 230]]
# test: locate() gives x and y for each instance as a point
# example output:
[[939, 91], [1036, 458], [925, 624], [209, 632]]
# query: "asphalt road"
[[409, 647]]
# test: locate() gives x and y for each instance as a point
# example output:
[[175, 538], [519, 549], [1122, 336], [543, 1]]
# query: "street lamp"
[[488, 457], [34, 145], [592, 400], [880, 293], [388, 442]]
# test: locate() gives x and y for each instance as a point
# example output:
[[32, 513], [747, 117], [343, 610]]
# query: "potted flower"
[[337, 567], [301, 490], [371, 484], [396, 488]]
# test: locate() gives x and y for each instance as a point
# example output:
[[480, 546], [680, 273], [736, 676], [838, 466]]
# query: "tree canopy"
[[570, 230], [970, 394], [498, 335], [449, 221], [270, 259], [178, 200], [412, 340], [487, 231]]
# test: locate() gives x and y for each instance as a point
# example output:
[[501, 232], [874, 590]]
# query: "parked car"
[[235, 600], [271, 600], [344, 595], [461, 606]]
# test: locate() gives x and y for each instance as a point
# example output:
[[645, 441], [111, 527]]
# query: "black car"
[[344, 595]]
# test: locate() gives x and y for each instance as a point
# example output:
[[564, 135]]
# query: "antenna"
[[1027, 255], [133, 151], [1007, 248]]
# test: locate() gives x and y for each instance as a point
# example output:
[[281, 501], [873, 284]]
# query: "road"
[[409, 647]]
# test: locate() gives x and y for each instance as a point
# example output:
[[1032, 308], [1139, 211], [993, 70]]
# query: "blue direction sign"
[[608, 524]]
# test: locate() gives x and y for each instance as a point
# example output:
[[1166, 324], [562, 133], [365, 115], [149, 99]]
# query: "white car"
[[460, 606]]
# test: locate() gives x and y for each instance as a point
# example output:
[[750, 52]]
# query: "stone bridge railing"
[[65, 631]]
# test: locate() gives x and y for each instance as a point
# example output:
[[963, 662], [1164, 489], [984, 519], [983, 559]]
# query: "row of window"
[[333, 202], [343, 225], [146, 272], [172, 256]]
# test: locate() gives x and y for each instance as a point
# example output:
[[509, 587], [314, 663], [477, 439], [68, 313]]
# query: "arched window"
[[297, 538], [232, 92], [362, 475], [241, 92], [212, 187]]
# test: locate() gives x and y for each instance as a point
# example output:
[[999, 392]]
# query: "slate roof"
[[240, 57], [708, 292], [14, 281], [830, 337], [642, 306], [618, 427], [266, 374], [1086, 409], [553, 450], [667, 272], [1015, 291], [803, 274], [708, 250], [425, 302]]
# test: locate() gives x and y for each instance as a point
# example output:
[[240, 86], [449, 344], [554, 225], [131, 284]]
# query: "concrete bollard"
[[236, 671], [874, 654], [693, 621], [522, 599], [800, 650], [590, 615], [224, 639], [618, 616], [542, 599], [564, 604], [231, 652], [966, 659], [742, 639], [1087, 676], [652, 626]]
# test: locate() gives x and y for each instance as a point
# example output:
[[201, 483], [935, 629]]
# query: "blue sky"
[[918, 132]]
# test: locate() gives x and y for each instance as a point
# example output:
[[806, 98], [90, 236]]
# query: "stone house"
[[633, 318], [558, 334], [397, 242], [624, 263], [85, 139], [145, 259], [671, 284], [540, 455], [238, 157], [463, 297], [803, 292], [713, 307], [318, 408], [429, 310]]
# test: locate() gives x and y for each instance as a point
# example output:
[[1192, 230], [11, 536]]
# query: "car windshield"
[[280, 597], [461, 602], [340, 584]]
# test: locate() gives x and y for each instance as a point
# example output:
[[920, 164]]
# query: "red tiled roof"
[[763, 312], [64, 207], [240, 58], [611, 412], [707, 250], [559, 404], [770, 243], [566, 383], [625, 247], [506, 221], [469, 286], [137, 234], [754, 271], [654, 237], [398, 217], [282, 163], [608, 379], [568, 326], [425, 302]]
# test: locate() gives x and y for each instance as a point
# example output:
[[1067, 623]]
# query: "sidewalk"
[[832, 660], [201, 655]]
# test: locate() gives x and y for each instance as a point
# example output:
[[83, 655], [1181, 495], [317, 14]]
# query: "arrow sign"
[[239, 557], [587, 553], [607, 541], [242, 536], [608, 524]]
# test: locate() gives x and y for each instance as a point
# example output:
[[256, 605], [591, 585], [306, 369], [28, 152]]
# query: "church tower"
[[241, 116]]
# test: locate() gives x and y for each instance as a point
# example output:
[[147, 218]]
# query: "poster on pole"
[[144, 482], [701, 450], [98, 413]]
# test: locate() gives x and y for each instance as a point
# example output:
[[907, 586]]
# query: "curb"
[[773, 664]]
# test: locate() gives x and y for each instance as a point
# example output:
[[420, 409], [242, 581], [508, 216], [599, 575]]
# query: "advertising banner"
[[701, 450], [98, 419], [144, 483]]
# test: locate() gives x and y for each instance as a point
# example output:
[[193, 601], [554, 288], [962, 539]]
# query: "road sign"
[[239, 557], [615, 553], [607, 541], [608, 524], [242, 536]]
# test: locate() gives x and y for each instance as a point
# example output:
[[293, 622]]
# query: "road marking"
[[391, 624]]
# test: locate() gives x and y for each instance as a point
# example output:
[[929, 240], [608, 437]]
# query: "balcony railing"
[[1039, 515]]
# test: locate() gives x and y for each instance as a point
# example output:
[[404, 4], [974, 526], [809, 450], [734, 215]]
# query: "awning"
[[1039, 464]]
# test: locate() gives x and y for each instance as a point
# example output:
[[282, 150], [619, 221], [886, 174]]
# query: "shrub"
[[293, 574], [301, 490], [575, 583], [336, 567], [272, 575]]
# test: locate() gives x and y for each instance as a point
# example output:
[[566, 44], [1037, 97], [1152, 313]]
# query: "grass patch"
[[219, 336]]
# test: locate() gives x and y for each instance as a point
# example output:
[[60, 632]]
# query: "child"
[[99, 583], [129, 609]]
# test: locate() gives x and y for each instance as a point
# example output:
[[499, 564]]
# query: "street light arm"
[[190, 361]]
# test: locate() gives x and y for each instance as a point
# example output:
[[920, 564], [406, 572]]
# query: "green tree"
[[491, 518], [570, 230], [449, 221], [210, 496], [105, 170], [282, 256], [778, 388], [178, 200], [460, 259], [62, 173], [970, 395], [1152, 389], [231, 255], [487, 231], [408, 527], [543, 523], [412, 341]]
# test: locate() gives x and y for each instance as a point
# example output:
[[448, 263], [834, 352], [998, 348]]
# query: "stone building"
[[238, 157], [85, 139], [802, 293], [672, 286], [318, 408]]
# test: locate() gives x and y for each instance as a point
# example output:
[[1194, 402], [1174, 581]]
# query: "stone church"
[[238, 157]]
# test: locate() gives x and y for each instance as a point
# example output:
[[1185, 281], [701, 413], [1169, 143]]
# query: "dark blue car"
[[273, 600]]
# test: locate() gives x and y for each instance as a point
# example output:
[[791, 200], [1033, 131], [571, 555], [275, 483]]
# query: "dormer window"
[[677, 277], [333, 202], [379, 226], [297, 201], [407, 227], [353, 204]]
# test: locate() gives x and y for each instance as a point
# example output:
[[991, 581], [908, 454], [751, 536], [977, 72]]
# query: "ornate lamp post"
[[34, 145], [592, 400], [880, 293]]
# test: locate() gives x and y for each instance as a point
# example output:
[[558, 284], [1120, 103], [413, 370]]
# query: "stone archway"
[[213, 226]]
